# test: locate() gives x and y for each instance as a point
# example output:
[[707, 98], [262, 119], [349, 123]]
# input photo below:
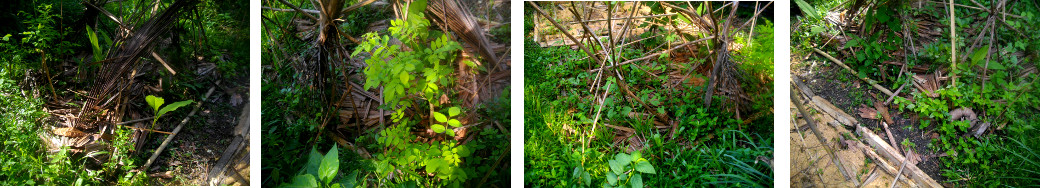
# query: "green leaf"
[[94, 44], [454, 111], [615, 166], [623, 159], [313, 162], [417, 8], [454, 123], [172, 107], [636, 156], [305, 180], [350, 181], [329, 165], [979, 55], [806, 8], [451, 132], [438, 128], [154, 102], [994, 65], [636, 181], [440, 117], [645, 167], [611, 178]]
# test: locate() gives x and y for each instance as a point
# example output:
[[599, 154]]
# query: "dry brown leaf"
[[867, 112]]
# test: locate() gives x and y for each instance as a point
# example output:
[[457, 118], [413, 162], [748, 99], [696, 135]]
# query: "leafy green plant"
[[156, 102], [321, 171], [627, 170]]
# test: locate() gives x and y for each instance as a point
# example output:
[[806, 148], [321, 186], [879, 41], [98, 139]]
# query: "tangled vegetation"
[[625, 108], [964, 76], [55, 53], [393, 93]]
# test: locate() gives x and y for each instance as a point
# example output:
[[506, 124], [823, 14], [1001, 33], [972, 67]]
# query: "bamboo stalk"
[[953, 43]]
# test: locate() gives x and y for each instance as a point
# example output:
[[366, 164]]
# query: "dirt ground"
[[847, 92], [197, 148]]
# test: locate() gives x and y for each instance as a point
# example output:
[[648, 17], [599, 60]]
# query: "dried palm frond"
[[461, 21], [125, 57]]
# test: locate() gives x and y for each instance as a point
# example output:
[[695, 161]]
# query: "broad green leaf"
[[454, 111], [623, 159], [585, 176], [172, 107], [979, 55], [577, 171], [615, 166], [440, 117], [611, 178], [806, 8], [454, 123], [302, 181], [451, 132], [350, 181], [313, 162], [329, 165], [645, 167], [636, 156], [636, 181], [94, 44], [438, 128], [154, 102], [994, 65]]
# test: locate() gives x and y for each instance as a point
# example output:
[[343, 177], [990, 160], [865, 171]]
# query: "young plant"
[[626, 170], [156, 102], [320, 171], [453, 112]]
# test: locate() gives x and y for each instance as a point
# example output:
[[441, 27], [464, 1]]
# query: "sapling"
[[156, 102]]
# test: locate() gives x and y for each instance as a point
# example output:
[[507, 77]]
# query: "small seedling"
[[156, 102]]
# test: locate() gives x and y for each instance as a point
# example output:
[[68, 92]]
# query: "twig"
[[178, 129], [557, 25], [652, 55], [901, 167], [868, 80]]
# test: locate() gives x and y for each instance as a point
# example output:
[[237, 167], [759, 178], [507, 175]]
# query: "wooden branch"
[[557, 25], [178, 129], [653, 55]]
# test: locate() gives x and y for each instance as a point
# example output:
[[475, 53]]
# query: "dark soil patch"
[[198, 146], [847, 92]]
